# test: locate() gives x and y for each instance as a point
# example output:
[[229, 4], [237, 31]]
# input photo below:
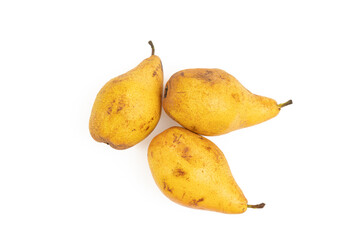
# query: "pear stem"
[[152, 47], [261, 205], [281, 105]]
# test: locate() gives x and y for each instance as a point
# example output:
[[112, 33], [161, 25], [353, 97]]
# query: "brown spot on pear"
[[178, 172]]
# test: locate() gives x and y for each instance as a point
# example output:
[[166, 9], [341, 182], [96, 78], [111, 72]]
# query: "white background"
[[56, 182]]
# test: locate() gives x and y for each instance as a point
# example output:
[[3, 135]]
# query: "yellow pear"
[[212, 102], [192, 171], [128, 107]]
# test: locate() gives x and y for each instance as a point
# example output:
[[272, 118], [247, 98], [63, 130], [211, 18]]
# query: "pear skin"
[[192, 171], [212, 102], [128, 107]]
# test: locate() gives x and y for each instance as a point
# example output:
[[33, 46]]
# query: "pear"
[[192, 171], [128, 107], [213, 102]]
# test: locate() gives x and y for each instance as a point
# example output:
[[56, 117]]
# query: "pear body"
[[192, 171], [212, 102], [128, 107]]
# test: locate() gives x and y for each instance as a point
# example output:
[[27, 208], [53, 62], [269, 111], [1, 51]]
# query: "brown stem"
[[261, 205], [152, 47], [281, 105]]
